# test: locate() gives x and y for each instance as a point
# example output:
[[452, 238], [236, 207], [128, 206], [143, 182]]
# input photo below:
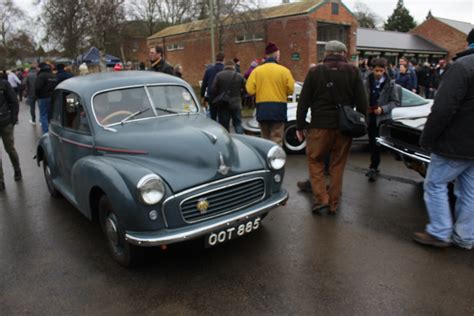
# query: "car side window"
[[74, 114], [56, 109]]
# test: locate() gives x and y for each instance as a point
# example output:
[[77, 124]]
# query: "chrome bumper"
[[416, 156], [170, 236]]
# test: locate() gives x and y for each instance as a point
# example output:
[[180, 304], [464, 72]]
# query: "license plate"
[[232, 232]]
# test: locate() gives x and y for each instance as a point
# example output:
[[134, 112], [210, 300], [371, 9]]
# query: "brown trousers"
[[6, 133], [273, 131], [320, 143]]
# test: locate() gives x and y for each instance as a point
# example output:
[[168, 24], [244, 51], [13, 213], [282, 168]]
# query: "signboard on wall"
[[295, 56]]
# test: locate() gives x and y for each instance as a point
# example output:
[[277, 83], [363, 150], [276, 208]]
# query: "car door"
[[75, 135]]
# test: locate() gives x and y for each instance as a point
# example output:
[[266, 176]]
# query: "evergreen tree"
[[400, 20], [429, 15]]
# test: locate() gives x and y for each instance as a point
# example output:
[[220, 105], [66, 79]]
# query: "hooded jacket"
[[8, 100], [389, 97], [45, 83], [449, 130]]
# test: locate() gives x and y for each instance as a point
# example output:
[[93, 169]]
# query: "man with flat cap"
[[271, 83], [323, 136]]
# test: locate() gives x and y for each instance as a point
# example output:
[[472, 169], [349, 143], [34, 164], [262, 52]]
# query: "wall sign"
[[295, 56]]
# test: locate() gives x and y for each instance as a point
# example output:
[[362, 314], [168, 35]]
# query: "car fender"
[[44, 149], [117, 178]]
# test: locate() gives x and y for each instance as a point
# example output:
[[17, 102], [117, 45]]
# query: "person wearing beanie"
[[271, 83], [323, 136], [448, 134]]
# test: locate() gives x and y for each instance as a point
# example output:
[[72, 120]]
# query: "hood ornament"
[[223, 169], [212, 137]]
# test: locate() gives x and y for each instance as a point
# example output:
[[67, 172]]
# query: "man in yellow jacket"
[[271, 83]]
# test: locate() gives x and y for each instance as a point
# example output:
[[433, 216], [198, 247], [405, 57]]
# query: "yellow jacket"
[[270, 82]]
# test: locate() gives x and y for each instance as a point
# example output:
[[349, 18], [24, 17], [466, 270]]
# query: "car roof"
[[89, 84]]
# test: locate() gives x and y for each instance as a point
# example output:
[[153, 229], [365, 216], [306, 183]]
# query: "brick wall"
[[293, 35], [442, 35]]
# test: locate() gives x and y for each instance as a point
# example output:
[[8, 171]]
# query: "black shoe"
[[319, 209], [17, 175], [2, 186], [304, 186], [372, 174]]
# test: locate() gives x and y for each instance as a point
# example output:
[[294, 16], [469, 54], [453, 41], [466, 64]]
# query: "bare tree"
[[67, 24], [10, 15], [147, 11], [366, 17]]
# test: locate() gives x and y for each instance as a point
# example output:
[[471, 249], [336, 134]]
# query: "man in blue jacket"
[[206, 86], [449, 134]]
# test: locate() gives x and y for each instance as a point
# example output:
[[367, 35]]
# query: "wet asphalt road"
[[363, 261]]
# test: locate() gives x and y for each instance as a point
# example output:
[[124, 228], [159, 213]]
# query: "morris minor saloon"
[[135, 151]]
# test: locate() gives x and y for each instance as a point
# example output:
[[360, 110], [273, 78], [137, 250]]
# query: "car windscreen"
[[169, 99], [411, 99], [127, 104]]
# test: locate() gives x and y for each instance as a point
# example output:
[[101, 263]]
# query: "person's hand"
[[300, 135], [378, 111]]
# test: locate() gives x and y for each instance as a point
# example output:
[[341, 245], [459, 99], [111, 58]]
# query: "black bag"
[[5, 116], [351, 122], [223, 99]]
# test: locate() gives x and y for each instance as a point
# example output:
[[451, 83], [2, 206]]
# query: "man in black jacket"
[[324, 136], [45, 83], [449, 134], [8, 119], [158, 62]]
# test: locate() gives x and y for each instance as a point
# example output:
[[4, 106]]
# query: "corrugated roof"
[[397, 41], [288, 9], [464, 27]]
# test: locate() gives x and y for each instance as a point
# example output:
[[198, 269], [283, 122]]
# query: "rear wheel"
[[124, 253], [291, 144], [49, 180]]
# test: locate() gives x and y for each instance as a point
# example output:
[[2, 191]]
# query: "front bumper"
[[170, 236], [404, 151]]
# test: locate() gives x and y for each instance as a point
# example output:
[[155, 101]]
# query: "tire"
[[291, 144], [49, 180], [125, 254]]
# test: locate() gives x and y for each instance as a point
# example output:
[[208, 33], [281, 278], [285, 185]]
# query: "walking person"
[[13, 81], [30, 80], [206, 85], [271, 83], [383, 98], [8, 119], [62, 74], [158, 62], [234, 83], [324, 137], [449, 134], [45, 83]]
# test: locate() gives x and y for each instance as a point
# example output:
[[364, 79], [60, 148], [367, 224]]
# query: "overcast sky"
[[460, 10]]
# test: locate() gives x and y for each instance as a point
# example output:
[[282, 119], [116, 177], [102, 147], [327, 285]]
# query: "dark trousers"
[[373, 132], [6, 133], [213, 111], [225, 114], [31, 101]]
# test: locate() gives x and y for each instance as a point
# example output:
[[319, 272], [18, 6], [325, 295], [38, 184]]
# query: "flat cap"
[[335, 46]]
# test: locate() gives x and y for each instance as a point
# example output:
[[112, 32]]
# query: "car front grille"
[[408, 136], [223, 200]]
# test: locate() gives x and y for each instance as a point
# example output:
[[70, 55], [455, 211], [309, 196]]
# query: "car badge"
[[223, 169], [202, 206]]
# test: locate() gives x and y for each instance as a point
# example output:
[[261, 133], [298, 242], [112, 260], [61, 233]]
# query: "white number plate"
[[232, 232]]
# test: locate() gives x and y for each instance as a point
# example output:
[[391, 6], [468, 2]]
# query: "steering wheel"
[[114, 114]]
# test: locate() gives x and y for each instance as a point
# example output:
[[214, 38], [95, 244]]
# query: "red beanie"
[[271, 48]]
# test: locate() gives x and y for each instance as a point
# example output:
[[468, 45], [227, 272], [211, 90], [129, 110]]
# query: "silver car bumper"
[[170, 236], [413, 155]]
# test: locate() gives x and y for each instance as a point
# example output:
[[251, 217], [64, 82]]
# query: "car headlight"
[[276, 158], [150, 189]]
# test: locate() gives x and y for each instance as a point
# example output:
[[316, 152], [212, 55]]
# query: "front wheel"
[[124, 253], [291, 144]]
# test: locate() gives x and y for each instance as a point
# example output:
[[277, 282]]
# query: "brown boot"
[[427, 239], [304, 186]]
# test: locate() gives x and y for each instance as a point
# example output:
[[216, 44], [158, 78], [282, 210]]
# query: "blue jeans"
[[44, 108], [442, 171]]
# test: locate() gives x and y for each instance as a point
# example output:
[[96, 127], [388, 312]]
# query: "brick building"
[[449, 34], [299, 29]]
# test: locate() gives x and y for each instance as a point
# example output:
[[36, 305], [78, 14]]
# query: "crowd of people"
[[369, 88]]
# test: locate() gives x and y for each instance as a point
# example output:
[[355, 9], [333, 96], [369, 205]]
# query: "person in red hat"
[[118, 67], [271, 83]]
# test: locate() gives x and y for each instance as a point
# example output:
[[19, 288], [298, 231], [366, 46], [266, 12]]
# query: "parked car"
[[401, 135], [135, 151], [292, 145]]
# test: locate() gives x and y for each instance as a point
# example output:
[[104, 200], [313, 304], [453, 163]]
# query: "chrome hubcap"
[[111, 230]]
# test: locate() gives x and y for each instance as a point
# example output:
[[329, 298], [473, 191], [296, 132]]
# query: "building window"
[[248, 38], [175, 46], [335, 8]]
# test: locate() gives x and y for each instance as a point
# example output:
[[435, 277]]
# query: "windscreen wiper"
[[134, 115]]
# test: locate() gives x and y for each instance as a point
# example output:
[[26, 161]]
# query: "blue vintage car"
[[135, 151]]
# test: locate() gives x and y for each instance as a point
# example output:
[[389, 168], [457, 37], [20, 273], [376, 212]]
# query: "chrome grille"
[[223, 200]]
